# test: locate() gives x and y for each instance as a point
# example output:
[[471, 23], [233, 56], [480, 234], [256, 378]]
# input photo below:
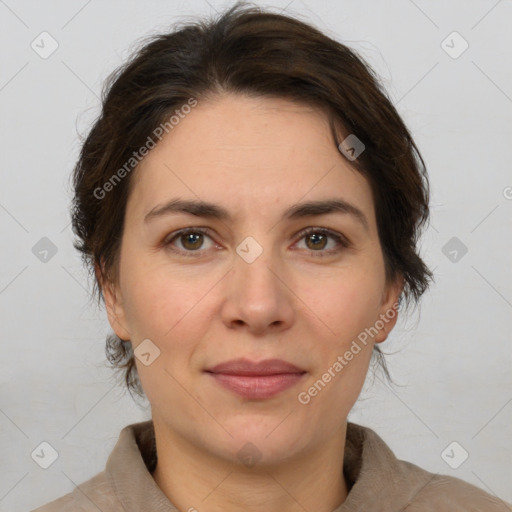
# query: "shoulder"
[[93, 495], [446, 493], [383, 482], [126, 469]]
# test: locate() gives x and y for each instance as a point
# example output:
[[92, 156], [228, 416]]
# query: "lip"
[[256, 380], [252, 368]]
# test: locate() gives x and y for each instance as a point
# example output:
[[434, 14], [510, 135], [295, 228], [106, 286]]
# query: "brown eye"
[[192, 241], [189, 242], [317, 239]]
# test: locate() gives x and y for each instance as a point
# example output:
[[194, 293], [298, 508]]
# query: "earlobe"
[[389, 311], [114, 307]]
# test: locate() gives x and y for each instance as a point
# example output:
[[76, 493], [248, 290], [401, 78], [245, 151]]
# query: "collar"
[[377, 480]]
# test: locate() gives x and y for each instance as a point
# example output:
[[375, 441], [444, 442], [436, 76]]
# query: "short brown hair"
[[248, 50]]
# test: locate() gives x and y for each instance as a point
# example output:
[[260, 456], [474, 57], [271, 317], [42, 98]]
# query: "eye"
[[191, 240], [316, 240]]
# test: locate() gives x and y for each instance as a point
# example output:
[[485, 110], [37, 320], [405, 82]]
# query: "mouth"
[[256, 380]]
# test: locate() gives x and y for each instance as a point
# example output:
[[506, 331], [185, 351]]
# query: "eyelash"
[[340, 239]]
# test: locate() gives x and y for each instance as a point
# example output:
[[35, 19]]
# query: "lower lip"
[[257, 387]]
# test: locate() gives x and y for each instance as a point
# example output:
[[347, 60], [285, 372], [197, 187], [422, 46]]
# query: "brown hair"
[[247, 50]]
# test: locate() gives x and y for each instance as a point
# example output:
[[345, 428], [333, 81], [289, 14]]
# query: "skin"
[[255, 157]]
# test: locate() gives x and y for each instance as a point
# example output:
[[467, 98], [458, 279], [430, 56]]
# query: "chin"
[[272, 437]]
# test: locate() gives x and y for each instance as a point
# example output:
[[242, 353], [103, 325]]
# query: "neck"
[[194, 480]]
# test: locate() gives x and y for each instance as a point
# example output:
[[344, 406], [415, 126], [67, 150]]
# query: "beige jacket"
[[379, 482]]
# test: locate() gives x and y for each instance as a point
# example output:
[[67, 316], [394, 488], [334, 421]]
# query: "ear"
[[114, 306], [388, 314]]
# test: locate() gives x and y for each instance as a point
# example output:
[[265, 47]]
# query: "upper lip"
[[247, 367]]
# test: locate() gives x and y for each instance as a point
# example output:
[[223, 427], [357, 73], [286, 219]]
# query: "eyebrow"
[[213, 211]]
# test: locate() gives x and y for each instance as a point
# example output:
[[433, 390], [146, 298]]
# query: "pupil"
[[192, 239], [315, 238]]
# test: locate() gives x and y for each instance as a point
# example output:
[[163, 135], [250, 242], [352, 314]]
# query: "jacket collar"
[[377, 479]]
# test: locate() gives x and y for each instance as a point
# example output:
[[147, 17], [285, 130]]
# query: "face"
[[258, 283]]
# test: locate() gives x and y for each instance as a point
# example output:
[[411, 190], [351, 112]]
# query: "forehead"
[[251, 155]]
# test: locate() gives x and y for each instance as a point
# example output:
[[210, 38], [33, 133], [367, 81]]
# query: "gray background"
[[454, 360]]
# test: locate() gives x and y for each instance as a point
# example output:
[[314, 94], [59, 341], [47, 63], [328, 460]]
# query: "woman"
[[249, 201]]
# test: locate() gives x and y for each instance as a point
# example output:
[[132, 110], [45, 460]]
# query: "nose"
[[258, 297]]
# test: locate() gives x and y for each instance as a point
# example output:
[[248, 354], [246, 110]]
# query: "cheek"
[[165, 309], [347, 304], [157, 299]]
